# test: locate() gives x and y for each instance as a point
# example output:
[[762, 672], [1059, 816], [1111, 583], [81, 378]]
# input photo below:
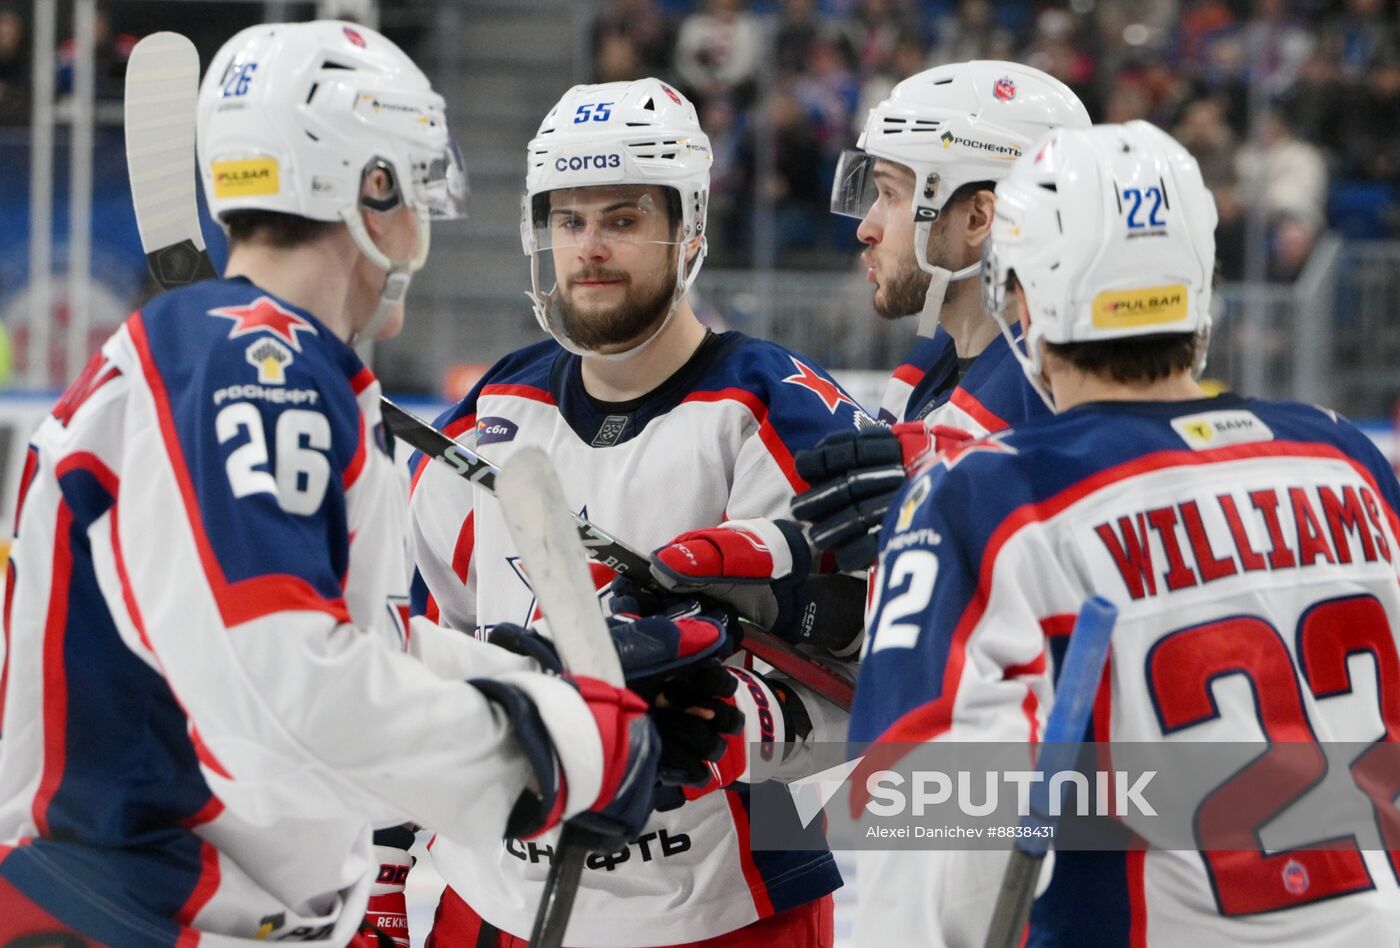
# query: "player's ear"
[[1023, 312], [379, 193], [693, 247], [981, 208]]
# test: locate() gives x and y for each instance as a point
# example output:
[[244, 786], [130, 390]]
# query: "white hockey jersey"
[[712, 443], [206, 698], [1252, 551]]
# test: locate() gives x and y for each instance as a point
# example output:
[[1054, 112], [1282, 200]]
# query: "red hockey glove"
[[854, 477], [763, 569]]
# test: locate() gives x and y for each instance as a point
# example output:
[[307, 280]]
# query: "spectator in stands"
[[1055, 48], [1291, 243], [111, 51], [1201, 22], [1276, 45], [1230, 229], [1361, 37], [14, 70], [731, 182], [796, 29], [615, 59], [646, 29], [1205, 133], [877, 28], [1285, 176], [796, 189], [827, 92], [908, 58], [718, 51], [972, 33]]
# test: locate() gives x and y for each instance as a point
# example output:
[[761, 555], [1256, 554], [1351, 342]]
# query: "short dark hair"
[[1136, 359], [283, 231], [968, 190]]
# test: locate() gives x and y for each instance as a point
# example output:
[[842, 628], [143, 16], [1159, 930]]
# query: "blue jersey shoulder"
[[801, 400], [261, 400], [996, 385]]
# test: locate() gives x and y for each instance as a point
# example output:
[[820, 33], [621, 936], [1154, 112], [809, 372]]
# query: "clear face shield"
[[437, 182], [854, 189], [607, 265]]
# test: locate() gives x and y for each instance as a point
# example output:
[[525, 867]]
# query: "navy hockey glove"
[[631, 752], [855, 476], [674, 662], [763, 568]]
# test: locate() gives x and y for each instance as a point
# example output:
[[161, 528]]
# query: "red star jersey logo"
[[601, 575], [265, 315], [825, 389], [954, 454]]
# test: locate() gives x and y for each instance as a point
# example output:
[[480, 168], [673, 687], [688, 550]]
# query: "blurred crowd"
[[1291, 106]]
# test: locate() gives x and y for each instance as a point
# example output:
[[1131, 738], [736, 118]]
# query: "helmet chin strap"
[[544, 307], [942, 277], [398, 274]]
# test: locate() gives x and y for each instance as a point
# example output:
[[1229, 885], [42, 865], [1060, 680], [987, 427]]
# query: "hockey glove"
[[631, 752], [855, 476], [673, 662], [387, 912], [775, 720], [763, 569]]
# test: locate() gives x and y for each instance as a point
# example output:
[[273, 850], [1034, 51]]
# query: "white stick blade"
[[162, 85], [542, 526]]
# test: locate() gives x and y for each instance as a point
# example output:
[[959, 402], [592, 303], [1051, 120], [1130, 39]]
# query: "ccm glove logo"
[[585, 162]]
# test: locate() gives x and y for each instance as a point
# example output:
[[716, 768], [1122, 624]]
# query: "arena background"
[[1291, 106]]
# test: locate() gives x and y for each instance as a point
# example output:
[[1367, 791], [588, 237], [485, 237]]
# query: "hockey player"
[[920, 181], [1249, 546], [206, 698], [666, 432]]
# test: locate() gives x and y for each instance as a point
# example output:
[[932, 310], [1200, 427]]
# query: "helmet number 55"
[[302, 470], [597, 111]]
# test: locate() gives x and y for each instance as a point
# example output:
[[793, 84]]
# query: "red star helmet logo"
[[354, 37], [265, 315], [671, 93], [825, 389], [1004, 89]]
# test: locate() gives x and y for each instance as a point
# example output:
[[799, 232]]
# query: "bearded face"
[[605, 306]]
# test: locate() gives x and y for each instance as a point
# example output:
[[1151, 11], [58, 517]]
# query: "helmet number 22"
[[1137, 197], [596, 111]]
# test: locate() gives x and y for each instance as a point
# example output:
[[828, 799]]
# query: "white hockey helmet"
[[1111, 233], [292, 115], [953, 125], [642, 132]]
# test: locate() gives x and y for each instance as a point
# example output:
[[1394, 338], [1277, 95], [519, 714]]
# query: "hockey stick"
[[1069, 716], [162, 82], [161, 87], [532, 501]]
